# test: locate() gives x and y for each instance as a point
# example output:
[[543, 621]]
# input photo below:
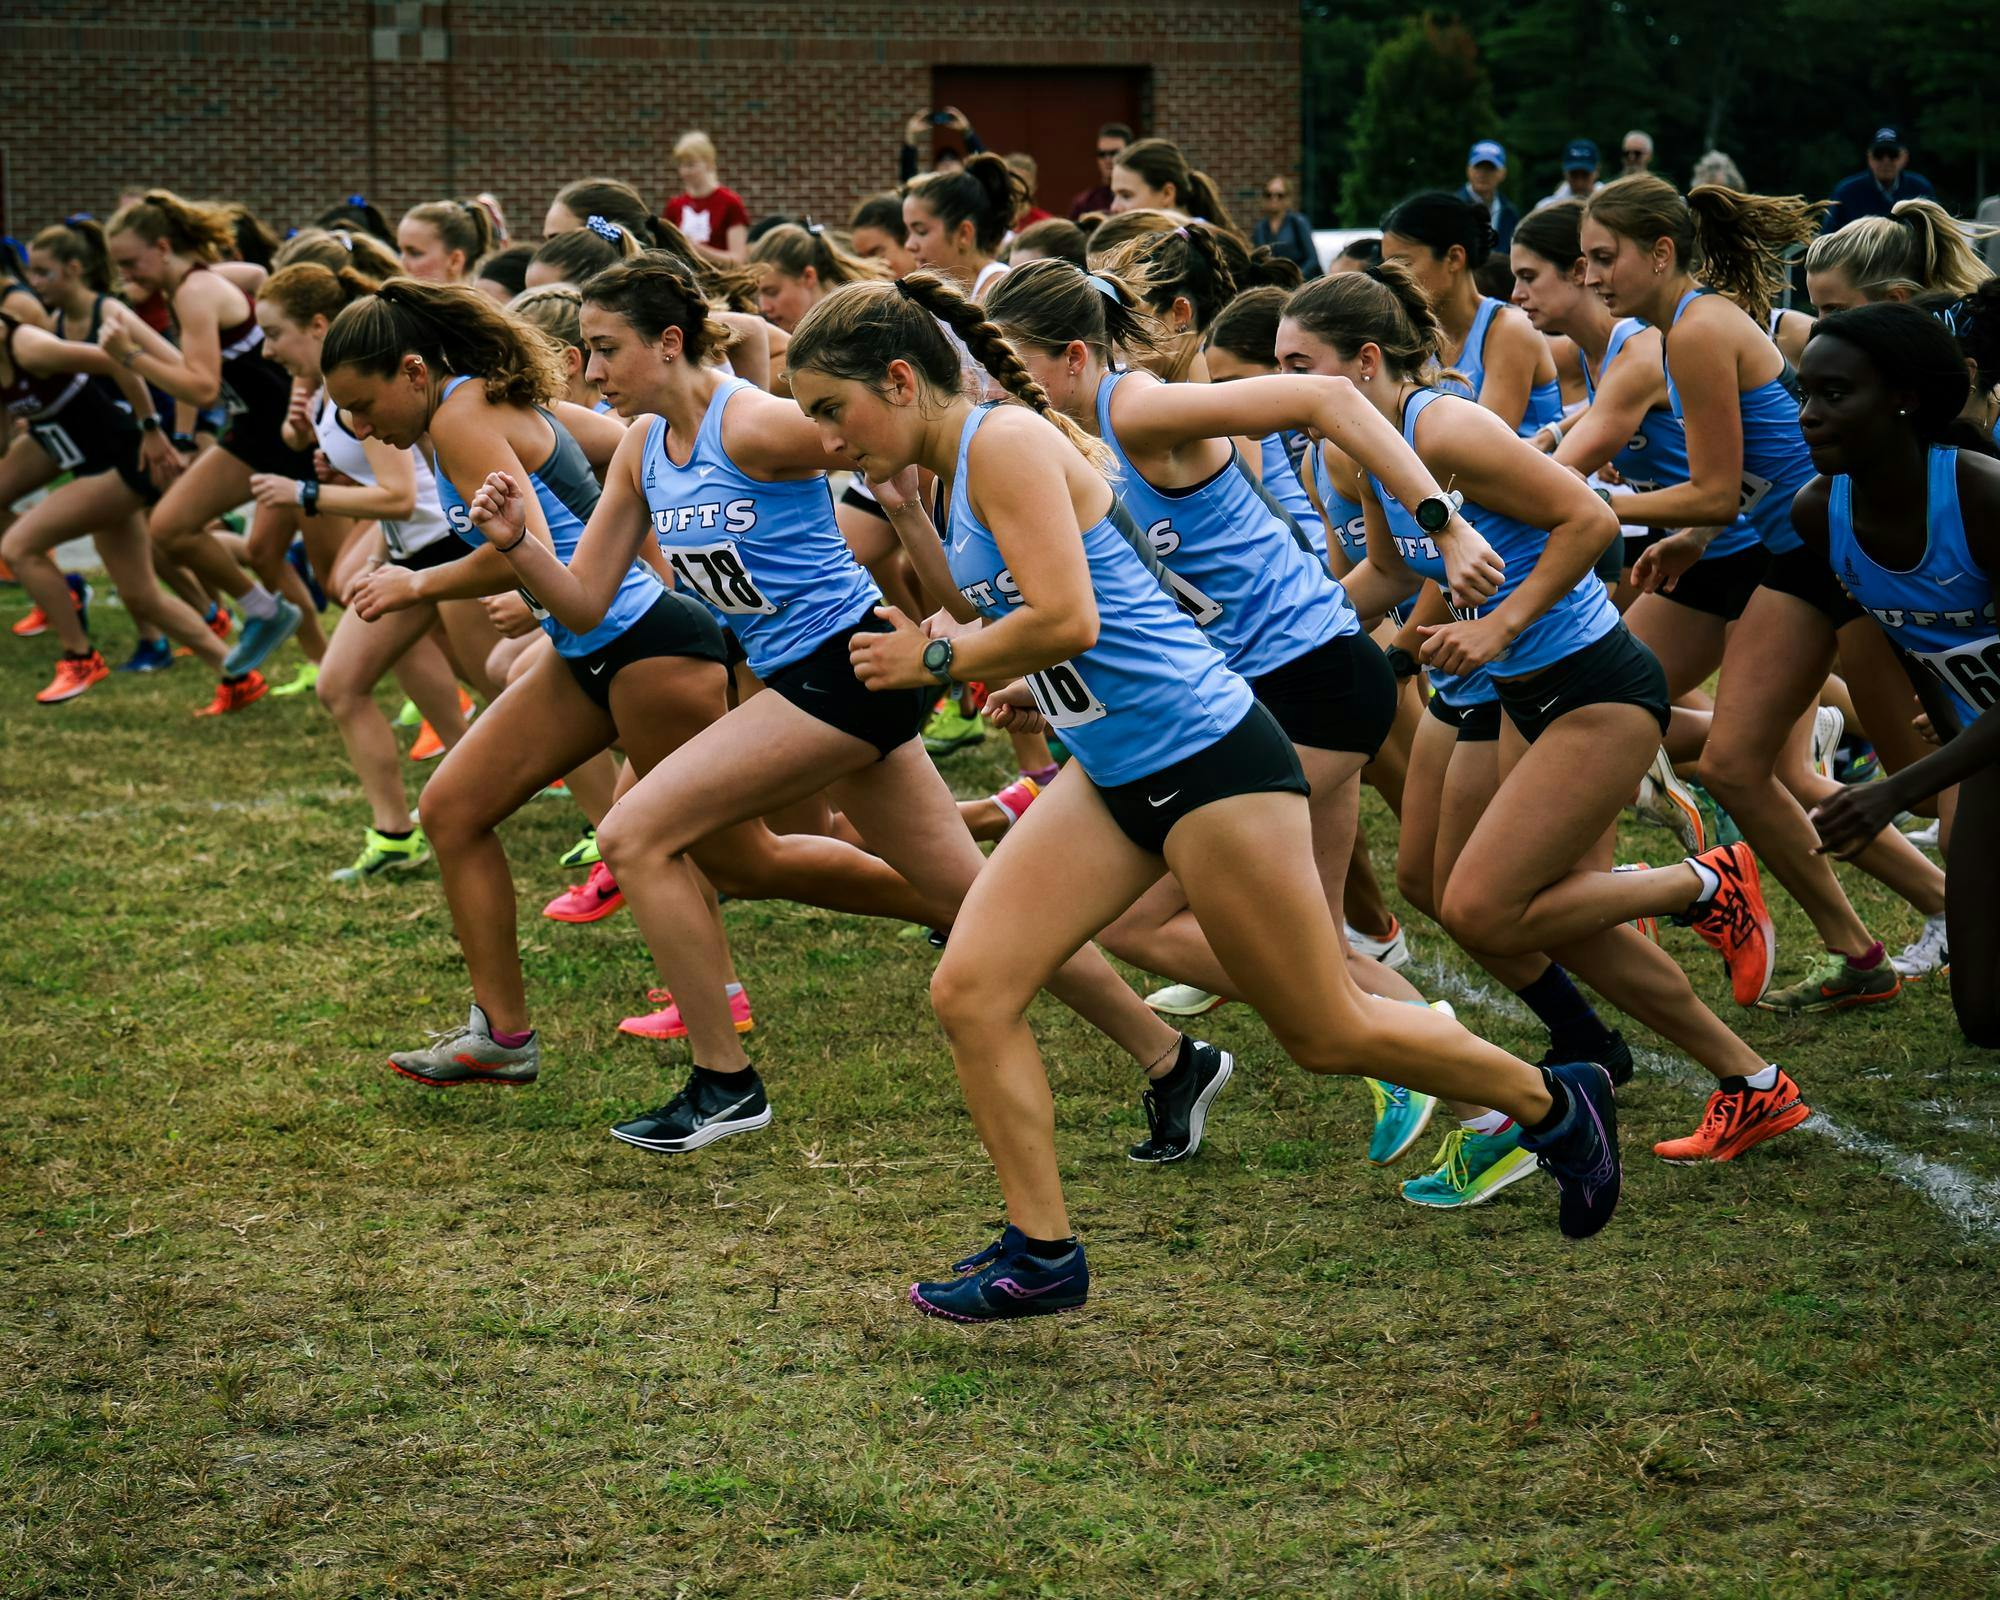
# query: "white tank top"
[[425, 524]]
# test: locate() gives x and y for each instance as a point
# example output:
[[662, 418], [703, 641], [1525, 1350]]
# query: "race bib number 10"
[[1063, 697]]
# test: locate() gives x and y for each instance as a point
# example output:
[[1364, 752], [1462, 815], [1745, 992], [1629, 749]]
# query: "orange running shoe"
[[7, 573], [234, 695], [1738, 1116], [428, 746], [74, 674], [33, 625], [220, 621], [1736, 923]]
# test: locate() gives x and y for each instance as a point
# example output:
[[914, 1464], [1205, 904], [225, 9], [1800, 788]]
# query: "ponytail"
[[334, 248], [454, 329], [1743, 242], [1043, 305], [188, 228], [1160, 162], [790, 249], [462, 225], [356, 212], [986, 192], [1918, 247], [1439, 221], [251, 237], [655, 292], [79, 239], [1384, 306]]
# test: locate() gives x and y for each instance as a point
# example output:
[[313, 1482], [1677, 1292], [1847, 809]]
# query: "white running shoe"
[[1828, 726], [1668, 803], [1393, 952], [1925, 835], [1929, 951], [1183, 1000]]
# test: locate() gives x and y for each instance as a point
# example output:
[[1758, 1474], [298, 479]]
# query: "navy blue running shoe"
[[1004, 1281], [1615, 1057], [1581, 1151], [301, 563], [149, 655], [80, 593]]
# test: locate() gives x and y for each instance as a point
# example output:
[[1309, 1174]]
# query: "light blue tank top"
[[567, 490], [1152, 690], [1776, 464], [1656, 457], [1283, 461], [1347, 525], [1579, 618], [766, 557], [1941, 611], [1236, 563], [1545, 401]]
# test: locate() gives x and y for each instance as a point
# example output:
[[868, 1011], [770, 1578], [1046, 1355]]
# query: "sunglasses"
[[1633, 155], [1112, 154], [1274, 194]]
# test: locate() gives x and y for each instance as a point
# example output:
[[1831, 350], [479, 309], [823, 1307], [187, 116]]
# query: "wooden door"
[[1052, 113]]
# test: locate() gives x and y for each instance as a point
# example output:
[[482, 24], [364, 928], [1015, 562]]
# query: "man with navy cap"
[[1888, 179], [1580, 182], [1485, 171]]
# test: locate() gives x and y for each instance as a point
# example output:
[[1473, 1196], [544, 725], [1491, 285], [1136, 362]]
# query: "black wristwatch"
[[1601, 492], [150, 423], [937, 659], [1434, 513], [309, 496], [1401, 662]]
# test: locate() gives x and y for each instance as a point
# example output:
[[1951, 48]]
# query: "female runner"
[[1585, 703], [1745, 457], [1907, 511], [442, 241], [877, 233], [1177, 767], [1154, 175], [731, 485], [393, 489]]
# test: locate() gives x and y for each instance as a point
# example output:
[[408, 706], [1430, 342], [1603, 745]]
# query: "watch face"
[[937, 654], [1433, 515]]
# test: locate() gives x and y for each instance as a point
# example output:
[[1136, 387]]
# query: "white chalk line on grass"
[[1971, 1202]]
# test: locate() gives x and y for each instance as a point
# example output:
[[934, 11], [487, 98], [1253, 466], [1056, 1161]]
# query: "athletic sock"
[[1767, 1079], [1048, 1249], [1487, 1122], [1711, 881], [1558, 1111], [1041, 774], [259, 602], [741, 1081], [1869, 959], [510, 1041], [1574, 1027], [731, 990]]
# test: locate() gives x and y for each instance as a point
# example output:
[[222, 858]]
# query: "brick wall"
[[293, 104]]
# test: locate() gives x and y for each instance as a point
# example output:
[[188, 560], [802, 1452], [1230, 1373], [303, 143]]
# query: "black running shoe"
[[1177, 1105], [701, 1113], [1614, 1056]]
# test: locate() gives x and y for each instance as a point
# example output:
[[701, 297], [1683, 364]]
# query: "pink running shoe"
[[590, 901], [666, 1023]]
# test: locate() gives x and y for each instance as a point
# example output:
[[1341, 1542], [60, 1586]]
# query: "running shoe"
[[149, 655], [1857, 762], [1929, 952], [1581, 1151], [428, 746], [7, 574], [233, 694], [1472, 1168], [1177, 1105], [553, 787], [949, 728], [301, 563], [219, 620], [469, 1055], [1401, 1115], [1667, 802], [1722, 826], [33, 625], [666, 1022], [1834, 985], [1828, 725], [302, 680], [74, 676], [583, 853], [381, 855], [407, 715], [703, 1112], [1735, 923], [1393, 951], [592, 900], [1183, 1000], [1004, 1281], [1737, 1117], [1925, 835], [36, 622], [262, 635], [1017, 797]]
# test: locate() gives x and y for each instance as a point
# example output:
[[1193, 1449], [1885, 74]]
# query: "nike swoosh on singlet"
[[1162, 800]]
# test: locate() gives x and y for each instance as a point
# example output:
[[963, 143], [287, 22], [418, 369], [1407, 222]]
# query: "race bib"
[[716, 573], [55, 439], [1063, 697], [1753, 492], [1193, 603], [1971, 671]]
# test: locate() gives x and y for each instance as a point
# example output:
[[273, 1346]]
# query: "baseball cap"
[[1487, 151], [1579, 155], [1886, 139]]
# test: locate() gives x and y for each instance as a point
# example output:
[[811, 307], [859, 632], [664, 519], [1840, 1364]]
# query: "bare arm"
[[900, 500], [1513, 351], [1627, 393], [1705, 373]]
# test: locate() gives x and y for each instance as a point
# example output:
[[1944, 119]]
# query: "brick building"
[[293, 104]]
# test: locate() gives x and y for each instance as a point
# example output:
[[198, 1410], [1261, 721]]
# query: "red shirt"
[[708, 219], [1031, 216]]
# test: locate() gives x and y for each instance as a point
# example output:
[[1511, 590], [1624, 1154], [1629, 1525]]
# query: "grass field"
[[276, 1321]]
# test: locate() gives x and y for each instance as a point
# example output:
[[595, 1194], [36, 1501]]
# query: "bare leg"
[[215, 482], [358, 655]]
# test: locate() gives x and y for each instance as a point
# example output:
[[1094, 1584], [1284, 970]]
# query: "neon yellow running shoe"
[[302, 680], [380, 854], [951, 729]]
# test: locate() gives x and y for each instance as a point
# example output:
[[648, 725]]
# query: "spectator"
[[1112, 139], [1716, 167], [1485, 171], [1287, 232], [1030, 212], [1580, 180], [713, 218], [1989, 215], [945, 158], [1635, 152], [1887, 180]]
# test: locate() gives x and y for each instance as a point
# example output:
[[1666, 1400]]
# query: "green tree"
[[1426, 98]]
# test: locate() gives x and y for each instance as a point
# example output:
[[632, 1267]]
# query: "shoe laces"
[[973, 1263], [1719, 1113], [660, 997], [1451, 1159]]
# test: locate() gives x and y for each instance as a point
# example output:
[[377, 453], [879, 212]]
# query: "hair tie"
[[346, 239], [1956, 317], [75, 217], [604, 229], [1105, 287], [1182, 233], [815, 228], [903, 289], [358, 201]]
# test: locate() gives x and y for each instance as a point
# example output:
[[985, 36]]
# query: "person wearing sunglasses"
[[1289, 233], [1112, 139], [1635, 152]]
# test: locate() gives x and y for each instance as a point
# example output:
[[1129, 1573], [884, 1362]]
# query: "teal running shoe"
[[583, 853], [1724, 831], [1471, 1169], [951, 729], [381, 855], [1401, 1115]]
